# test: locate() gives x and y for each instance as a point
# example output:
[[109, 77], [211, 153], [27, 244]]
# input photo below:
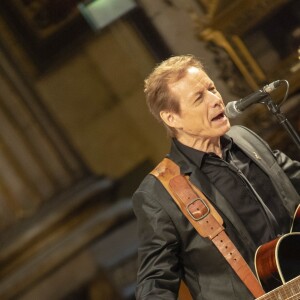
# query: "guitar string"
[[283, 294], [271, 297], [293, 297], [283, 291]]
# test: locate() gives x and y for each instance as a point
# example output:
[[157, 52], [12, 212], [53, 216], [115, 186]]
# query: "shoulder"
[[150, 190], [241, 134], [150, 184], [152, 197], [253, 145], [242, 131]]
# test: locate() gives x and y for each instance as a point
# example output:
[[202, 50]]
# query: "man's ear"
[[169, 118]]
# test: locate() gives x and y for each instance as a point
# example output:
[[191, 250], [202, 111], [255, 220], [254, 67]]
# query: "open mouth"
[[218, 117]]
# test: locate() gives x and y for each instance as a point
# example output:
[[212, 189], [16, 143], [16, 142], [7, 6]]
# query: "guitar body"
[[278, 261], [296, 222]]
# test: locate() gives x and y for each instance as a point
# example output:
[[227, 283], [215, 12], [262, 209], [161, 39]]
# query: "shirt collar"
[[196, 156]]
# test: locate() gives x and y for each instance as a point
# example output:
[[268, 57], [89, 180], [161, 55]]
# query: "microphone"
[[235, 108]]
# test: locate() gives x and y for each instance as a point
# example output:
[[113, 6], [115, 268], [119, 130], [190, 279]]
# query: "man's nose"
[[214, 99]]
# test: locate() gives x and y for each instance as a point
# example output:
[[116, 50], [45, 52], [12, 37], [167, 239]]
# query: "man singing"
[[254, 189]]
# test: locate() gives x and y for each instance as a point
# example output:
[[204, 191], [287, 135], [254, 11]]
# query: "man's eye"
[[213, 89], [199, 97]]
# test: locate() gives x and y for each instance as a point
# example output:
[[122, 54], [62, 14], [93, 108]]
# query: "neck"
[[203, 144]]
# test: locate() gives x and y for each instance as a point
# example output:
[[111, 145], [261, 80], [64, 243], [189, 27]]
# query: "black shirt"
[[245, 186]]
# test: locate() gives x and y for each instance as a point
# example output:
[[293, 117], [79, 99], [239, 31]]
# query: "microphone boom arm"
[[275, 109]]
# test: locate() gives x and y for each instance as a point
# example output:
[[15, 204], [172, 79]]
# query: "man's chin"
[[228, 126], [225, 127]]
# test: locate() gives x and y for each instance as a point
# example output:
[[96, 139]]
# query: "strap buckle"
[[203, 215]]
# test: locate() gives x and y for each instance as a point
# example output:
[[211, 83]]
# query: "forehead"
[[198, 75], [195, 78]]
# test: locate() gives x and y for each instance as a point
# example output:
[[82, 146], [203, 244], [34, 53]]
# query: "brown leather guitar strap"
[[205, 219]]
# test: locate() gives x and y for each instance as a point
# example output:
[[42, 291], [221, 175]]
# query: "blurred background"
[[76, 138]]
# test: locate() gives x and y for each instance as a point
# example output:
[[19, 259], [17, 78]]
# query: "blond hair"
[[158, 95]]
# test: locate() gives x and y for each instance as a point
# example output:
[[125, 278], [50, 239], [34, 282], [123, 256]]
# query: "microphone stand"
[[275, 109]]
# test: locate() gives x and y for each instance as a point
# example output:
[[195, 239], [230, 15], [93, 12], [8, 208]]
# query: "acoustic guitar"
[[277, 265]]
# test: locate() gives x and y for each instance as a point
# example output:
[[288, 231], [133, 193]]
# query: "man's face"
[[201, 107]]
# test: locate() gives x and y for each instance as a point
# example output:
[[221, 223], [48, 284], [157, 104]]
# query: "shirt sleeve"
[[159, 272], [290, 167]]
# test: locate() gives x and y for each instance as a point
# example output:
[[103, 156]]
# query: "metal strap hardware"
[[198, 210]]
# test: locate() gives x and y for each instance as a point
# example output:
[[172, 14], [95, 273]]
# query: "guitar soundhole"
[[288, 256]]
